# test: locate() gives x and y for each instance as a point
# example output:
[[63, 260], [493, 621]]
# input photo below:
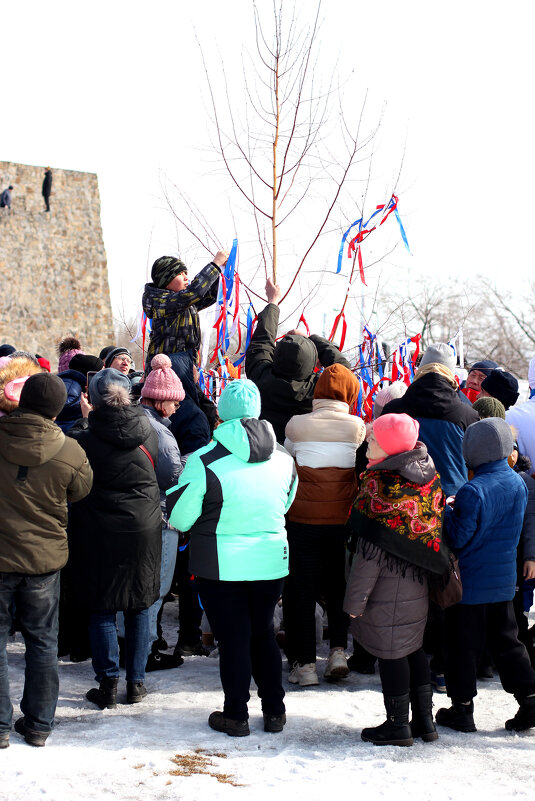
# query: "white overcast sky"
[[117, 88]]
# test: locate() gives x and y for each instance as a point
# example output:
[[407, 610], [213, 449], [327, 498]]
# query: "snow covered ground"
[[142, 752]]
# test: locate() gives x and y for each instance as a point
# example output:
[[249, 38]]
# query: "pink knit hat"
[[396, 433], [162, 383]]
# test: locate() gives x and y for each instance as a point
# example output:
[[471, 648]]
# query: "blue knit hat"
[[240, 398], [101, 383]]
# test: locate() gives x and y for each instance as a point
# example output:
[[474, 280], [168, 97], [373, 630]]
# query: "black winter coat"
[[115, 532], [47, 184], [284, 373], [443, 419]]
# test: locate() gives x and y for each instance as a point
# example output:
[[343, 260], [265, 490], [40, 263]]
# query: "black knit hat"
[[165, 269], [44, 394], [115, 352], [485, 366], [104, 352], [503, 386], [6, 350], [84, 362]]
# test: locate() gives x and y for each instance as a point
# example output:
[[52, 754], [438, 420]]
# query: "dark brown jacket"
[[40, 471]]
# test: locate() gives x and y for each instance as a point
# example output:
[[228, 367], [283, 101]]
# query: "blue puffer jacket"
[[483, 529], [75, 384], [443, 419]]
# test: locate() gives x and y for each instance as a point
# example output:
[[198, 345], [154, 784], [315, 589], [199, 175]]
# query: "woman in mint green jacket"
[[232, 498]]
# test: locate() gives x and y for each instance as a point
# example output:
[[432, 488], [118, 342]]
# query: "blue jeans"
[[169, 552], [37, 602], [105, 646]]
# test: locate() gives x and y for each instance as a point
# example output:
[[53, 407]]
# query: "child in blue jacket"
[[483, 529]]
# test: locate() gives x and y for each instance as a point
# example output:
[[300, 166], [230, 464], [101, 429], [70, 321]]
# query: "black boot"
[[524, 718], [422, 723], [135, 692], [234, 728], [158, 661], [395, 730], [105, 697], [459, 717]]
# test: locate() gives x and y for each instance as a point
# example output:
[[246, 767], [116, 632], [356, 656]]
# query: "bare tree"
[[284, 139], [495, 325]]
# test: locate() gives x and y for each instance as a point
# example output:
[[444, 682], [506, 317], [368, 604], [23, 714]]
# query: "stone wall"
[[53, 265]]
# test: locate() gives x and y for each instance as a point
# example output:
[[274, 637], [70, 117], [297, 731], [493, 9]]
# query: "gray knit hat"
[[103, 381], [487, 441], [442, 353]]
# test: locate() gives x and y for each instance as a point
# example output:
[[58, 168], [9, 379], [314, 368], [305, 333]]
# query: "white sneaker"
[[304, 675], [337, 667]]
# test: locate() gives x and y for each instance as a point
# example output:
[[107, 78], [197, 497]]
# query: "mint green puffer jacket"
[[232, 498]]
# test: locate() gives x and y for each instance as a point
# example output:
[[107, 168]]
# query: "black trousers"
[[317, 567], [241, 617], [468, 628], [398, 676], [189, 609]]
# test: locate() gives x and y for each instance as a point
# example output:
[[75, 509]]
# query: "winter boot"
[[422, 723], [234, 728], [524, 718], [135, 692], [459, 717], [105, 697], [395, 730], [4, 740], [32, 736], [274, 723]]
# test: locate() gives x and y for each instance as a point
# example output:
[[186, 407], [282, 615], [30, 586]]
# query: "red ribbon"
[[339, 317], [302, 320]]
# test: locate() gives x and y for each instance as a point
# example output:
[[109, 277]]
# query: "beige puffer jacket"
[[324, 444]]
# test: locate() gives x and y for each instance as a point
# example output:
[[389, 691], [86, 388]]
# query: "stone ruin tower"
[[53, 265]]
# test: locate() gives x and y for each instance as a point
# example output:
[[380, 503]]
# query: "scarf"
[[400, 522]]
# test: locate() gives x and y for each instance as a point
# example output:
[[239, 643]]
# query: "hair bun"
[[160, 362]]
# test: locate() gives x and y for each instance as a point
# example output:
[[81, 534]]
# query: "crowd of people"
[[123, 488]]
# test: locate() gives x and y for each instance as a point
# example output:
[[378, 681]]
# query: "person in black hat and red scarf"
[[173, 304], [397, 524]]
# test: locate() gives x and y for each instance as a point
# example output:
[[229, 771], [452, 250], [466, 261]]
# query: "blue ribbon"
[[402, 230], [250, 317], [341, 253]]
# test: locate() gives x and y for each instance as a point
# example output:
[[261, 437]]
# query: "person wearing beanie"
[[75, 380], [477, 373], [501, 385], [115, 535], [161, 395], [522, 418], [119, 359], [191, 428], [432, 401], [323, 444], [284, 371], [483, 529], [489, 407], [396, 538], [442, 353], [7, 350], [232, 498], [173, 304], [67, 348], [40, 473]]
